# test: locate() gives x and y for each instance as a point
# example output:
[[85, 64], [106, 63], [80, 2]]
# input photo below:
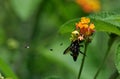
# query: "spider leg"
[[82, 53], [81, 45], [66, 50]]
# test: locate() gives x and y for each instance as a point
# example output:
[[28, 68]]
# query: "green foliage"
[[35, 23], [68, 27], [117, 56], [25, 8], [7, 70], [106, 22]]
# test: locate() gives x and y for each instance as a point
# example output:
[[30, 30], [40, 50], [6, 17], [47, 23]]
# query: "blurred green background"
[[35, 24]]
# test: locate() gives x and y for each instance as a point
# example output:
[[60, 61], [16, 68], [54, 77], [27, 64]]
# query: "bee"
[[74, 48]]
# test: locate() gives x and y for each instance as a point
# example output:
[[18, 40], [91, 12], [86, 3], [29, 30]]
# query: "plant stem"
[[110, 43], [99, 69], [83, 60]]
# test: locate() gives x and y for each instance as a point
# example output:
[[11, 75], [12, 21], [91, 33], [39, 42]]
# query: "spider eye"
[[77, 34]]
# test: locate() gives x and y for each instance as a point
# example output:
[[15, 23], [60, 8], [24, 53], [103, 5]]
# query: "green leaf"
[[7, 70], [68, 27], [105, 26], [118, 58], [116, 48], [106, 22], [25, 8]]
